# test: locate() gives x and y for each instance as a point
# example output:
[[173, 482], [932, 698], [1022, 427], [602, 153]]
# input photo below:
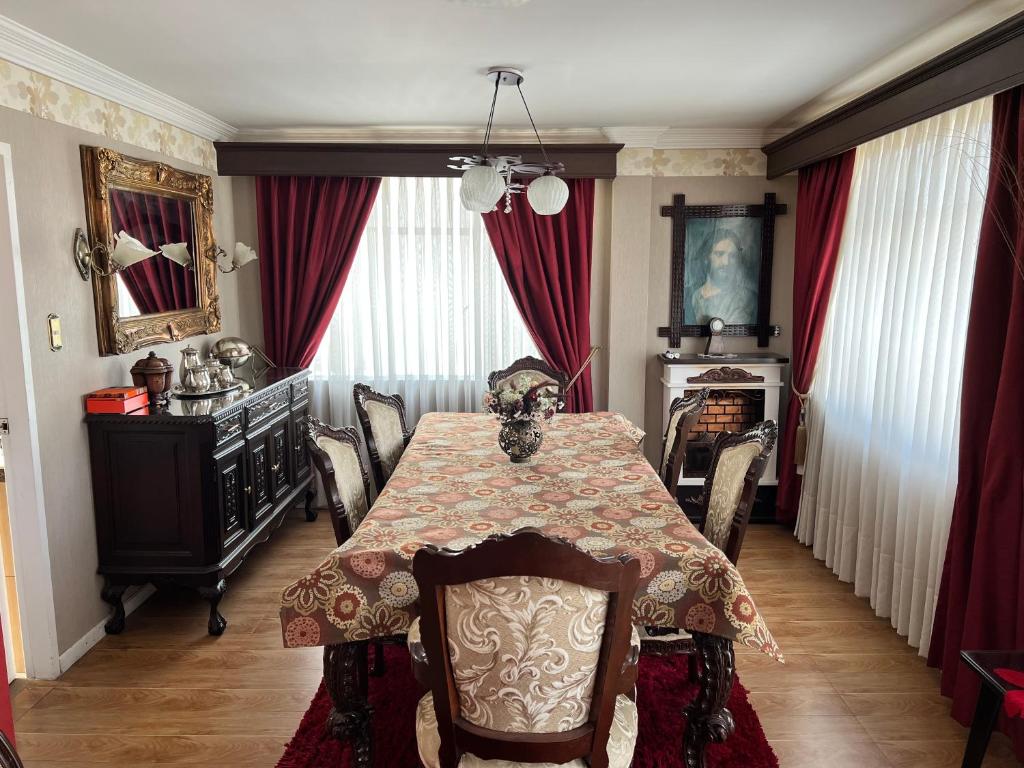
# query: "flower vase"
[[520, 439]]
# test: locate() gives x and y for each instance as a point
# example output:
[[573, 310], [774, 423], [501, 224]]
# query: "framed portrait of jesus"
[[721, 268]]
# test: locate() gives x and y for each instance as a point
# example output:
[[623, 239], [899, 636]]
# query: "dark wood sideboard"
[[183, 493]]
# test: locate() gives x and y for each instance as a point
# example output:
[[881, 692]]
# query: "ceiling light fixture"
[[487, 177]]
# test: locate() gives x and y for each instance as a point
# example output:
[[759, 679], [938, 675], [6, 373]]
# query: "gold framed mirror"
[[164, 217]]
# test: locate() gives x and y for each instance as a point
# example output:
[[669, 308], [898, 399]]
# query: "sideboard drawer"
[[267, 406], [230, 427], [300, 390]]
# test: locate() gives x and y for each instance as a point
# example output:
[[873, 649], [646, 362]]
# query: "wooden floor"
[[165, 693]]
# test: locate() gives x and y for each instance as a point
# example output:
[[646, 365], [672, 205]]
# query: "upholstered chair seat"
[[621, 740], [382, 418]]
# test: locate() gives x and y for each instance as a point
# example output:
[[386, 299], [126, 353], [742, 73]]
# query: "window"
[[425, 311]]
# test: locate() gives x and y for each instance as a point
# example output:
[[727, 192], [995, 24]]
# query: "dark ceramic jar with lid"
[[155, 374]]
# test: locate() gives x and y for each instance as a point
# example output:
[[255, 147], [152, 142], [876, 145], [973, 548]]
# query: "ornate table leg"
[[345, 675], [708, 720]]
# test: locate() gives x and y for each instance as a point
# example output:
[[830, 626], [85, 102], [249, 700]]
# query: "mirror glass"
[[156, 284]]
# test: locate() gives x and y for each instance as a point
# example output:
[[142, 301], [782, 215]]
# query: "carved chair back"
[[8, 757], [738, 460], [382, 418], [473, 602], [335, 454], [533, 368], [683, 414]]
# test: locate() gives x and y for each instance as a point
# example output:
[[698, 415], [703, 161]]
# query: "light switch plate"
[[53, 325]]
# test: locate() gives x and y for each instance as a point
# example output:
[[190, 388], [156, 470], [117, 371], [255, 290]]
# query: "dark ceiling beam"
[[245, 158], [986, 64]]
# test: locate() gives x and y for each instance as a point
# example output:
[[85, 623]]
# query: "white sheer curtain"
[[425, 312], [881, 464]]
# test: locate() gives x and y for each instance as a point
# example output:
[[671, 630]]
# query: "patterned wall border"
[[642, 161], [42, 96]]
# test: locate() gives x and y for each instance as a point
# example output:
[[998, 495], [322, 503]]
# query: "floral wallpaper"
[[642, 161], [42, 96]]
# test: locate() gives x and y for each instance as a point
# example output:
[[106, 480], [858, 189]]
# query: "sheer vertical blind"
[[426, 311], [881, 471]]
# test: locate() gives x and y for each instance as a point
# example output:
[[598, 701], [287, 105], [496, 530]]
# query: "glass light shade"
[[243, 255], [547, 195], [178, 253], [128, 250], [482, 188]]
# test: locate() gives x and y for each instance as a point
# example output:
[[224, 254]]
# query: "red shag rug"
[[662, 691]]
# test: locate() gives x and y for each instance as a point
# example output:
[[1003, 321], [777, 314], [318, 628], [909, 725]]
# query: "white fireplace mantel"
[[751, 370]]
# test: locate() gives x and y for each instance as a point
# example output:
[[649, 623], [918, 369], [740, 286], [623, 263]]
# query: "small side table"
[[990, 698]]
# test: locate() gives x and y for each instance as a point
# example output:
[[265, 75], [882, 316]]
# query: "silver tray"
[[180, 393]]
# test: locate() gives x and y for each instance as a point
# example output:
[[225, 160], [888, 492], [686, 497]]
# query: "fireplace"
[[745, 390]]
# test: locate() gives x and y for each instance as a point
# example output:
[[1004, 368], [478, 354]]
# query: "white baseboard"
[[97, 633]]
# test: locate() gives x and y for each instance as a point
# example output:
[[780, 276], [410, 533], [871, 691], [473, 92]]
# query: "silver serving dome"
[[232, 351]]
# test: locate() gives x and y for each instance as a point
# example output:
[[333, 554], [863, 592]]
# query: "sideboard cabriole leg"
[[217, 623], [311, 513], [112, 594], [708, 720], [345, 676]]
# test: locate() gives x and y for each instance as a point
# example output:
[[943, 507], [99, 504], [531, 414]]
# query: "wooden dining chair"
[[382, 418], [527, 646], [738, 460], [335, 454], [534, 369], [683, 415], [8, 756]]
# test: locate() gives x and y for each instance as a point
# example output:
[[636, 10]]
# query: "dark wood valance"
[[986, 64], [245, 158]]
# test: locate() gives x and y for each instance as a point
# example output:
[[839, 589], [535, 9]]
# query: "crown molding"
[[27, 48], [657, 137], [405, 134]]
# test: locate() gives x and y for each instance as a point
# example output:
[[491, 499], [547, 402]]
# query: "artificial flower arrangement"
[[522, 402]]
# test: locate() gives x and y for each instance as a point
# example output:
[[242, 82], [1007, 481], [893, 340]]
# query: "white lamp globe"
[[547, 195], [482, 187]]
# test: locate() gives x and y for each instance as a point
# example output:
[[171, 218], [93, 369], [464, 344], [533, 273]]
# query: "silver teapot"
[[197, 379], [189, 359]]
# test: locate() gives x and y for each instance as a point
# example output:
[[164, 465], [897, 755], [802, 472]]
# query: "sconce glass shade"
[[482, 188], [178, 253], [243, 255], [128, 251], [547, 195]]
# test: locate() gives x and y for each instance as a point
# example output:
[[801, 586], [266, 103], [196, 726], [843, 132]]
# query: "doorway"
[[29, 553]]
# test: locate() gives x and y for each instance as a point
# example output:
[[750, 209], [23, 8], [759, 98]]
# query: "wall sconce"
[[242, 256], [127, 251]]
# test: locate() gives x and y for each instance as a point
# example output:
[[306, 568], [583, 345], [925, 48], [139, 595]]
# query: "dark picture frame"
[[680, 213]]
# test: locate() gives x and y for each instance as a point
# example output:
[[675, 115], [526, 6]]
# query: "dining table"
[[589, 483]]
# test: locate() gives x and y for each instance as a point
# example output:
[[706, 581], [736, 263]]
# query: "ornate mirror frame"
[[103, 169]]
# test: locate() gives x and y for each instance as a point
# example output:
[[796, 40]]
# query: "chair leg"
[[379, 667]]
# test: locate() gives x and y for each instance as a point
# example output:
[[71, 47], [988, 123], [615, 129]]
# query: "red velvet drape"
[[309, 230], [981, 597], [546, 263], [156, 284], [823, 190]]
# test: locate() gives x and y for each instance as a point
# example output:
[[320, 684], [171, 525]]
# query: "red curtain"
[[981, 597], [823, 190], [309, 230], [156, 284], [546, 263]]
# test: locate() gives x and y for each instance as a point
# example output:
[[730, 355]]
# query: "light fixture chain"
[[536, 133], [490, 117]]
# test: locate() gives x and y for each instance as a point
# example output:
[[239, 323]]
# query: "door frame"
[[21, 448]]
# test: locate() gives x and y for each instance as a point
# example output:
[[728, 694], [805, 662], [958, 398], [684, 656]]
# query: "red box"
[[106, 404]]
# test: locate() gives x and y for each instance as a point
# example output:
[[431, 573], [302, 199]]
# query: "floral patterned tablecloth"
[[453, 487]]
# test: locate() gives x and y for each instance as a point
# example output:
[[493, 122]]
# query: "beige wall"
[[640, 270], [48, 190]]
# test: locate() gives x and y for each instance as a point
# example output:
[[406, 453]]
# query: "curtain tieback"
[[800, 444]]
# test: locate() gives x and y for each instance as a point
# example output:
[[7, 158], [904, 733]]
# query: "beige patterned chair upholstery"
[[535, 370], [738, 461], [382, 418], [335, 454], [683, 414], [525, 658]]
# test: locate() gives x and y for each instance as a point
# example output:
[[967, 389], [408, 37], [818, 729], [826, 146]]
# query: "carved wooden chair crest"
[[683, 414], [584, 605], [535, 369], [335, 454], [382, 418], [738, 460]]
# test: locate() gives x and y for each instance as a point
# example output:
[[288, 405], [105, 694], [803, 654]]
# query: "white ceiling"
[[589, 63]]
